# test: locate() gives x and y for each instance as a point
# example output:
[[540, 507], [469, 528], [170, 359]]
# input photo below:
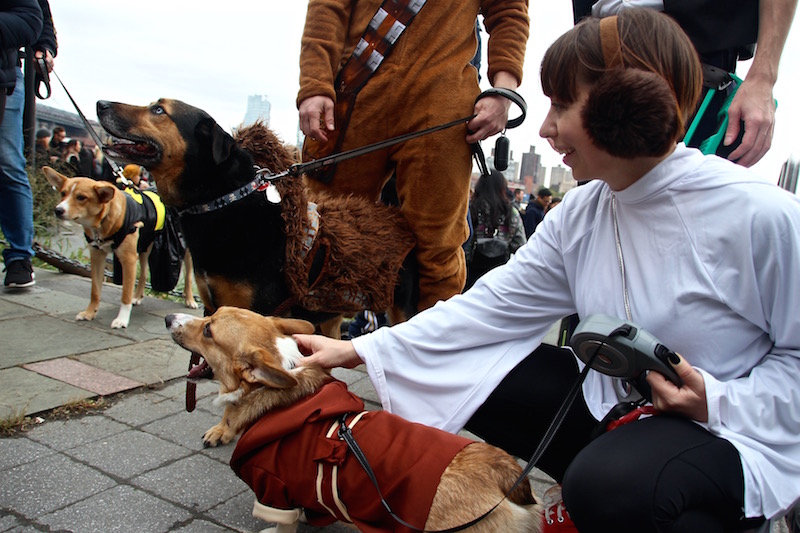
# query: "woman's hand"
[[689, 400], [327, 352]]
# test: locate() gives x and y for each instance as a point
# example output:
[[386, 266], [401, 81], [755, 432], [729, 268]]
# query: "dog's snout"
[[59, 211], [103, 105], [174, 321]]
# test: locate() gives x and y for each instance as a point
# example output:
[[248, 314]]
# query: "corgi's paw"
[[190, 303], [217, 435]]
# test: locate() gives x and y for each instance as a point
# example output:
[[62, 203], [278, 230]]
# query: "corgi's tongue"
[[200, 371]]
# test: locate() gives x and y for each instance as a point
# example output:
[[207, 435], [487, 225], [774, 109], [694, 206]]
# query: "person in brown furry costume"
[[426, 80]]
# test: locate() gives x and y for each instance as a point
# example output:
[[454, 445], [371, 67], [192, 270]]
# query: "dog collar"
[[262, 182]]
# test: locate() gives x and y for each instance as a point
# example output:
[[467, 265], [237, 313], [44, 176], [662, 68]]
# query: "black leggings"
[[662, 474]]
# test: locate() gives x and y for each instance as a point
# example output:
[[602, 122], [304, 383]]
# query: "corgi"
[[290, 454]]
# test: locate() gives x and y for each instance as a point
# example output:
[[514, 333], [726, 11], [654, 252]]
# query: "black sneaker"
[[19, 274]]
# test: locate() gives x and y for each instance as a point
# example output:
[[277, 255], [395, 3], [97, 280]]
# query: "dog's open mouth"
[[133, 151], [200, 371]]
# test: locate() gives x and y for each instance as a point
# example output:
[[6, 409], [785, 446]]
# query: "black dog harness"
[[145, 207]]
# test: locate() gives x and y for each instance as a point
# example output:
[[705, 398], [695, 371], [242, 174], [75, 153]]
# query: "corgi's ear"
[[289, 326], [105, 192], [56, 180], [261, 368]]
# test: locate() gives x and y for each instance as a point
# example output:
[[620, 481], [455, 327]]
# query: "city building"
[[531, 172], [258, 108], [561, 180]]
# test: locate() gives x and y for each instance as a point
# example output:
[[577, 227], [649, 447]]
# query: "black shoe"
[[19, 274]]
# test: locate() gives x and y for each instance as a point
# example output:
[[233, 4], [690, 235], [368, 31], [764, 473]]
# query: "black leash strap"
[[114, 166], [346, 435], [299, 168], [42, 77]]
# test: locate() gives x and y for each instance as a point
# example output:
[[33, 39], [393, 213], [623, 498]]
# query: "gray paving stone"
[[17, 451], [186, 429], [201, 526], [9, 522], [65, 434], [124, 509], [138, 409], [197, 482], [53, 482], [128, 454], [10, 309], [24, 392], [152, 361], [39, 338], [56, 302], [176, 389], [237, 513]]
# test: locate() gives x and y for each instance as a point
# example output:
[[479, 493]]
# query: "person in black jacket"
[[724, 32], [22, 23]]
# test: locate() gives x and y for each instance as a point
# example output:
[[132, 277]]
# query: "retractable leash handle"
[[502, 145]]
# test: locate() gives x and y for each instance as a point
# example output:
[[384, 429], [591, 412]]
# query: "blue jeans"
[[16, 198]]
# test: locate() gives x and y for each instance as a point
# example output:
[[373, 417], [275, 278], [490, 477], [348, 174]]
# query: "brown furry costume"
[[426, 80], [361, 238]]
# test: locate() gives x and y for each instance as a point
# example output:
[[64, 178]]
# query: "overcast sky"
[[214, 58]]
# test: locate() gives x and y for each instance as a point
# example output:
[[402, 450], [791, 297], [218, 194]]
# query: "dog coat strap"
[[272, 514], [334, 474]]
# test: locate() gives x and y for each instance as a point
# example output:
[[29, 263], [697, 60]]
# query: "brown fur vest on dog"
[[363, 243]]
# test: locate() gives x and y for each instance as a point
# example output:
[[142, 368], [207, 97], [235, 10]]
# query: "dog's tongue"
[[200, 371]]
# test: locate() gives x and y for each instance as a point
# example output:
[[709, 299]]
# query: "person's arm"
[[46, 46], [320, 55], [754, 103], [508, 25], [20, 24]]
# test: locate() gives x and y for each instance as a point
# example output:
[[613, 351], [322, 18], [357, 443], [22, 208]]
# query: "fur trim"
[[361, 268], [632, 113]]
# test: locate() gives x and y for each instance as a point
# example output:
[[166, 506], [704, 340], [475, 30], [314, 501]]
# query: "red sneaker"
[[556, 517], [557, 520]]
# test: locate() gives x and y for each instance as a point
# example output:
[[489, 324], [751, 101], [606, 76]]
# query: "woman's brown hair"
[[636, 107]]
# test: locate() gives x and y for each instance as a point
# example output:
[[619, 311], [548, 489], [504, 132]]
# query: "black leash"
[[346, 434], [92, 133], [264, 175], [299, 168]]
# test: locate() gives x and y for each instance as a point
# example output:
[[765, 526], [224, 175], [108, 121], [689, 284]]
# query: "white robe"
[[712, 263]]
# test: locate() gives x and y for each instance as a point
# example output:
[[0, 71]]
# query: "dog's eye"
[[81, 197], [207, 331], [158, 110]]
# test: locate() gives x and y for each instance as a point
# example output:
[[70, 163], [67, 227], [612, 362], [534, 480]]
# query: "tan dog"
[[101, 208], [291, 457]]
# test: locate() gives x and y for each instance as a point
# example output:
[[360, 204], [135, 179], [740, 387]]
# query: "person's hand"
[[48, 58], [492, 116], [688, 400], [327, 352], [316, 117], [753, 104]]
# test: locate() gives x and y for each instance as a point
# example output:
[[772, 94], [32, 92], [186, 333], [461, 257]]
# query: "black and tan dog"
[[292, 458], [114, 220], [263, 245]]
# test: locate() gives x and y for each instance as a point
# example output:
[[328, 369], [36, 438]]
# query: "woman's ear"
[[632, 113]]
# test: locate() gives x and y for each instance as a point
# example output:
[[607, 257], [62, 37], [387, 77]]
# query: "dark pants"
[[658, 474]]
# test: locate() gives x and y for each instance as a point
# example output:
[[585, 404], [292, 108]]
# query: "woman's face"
[[563, 129]]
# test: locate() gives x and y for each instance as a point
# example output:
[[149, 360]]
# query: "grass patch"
[[20, 423]]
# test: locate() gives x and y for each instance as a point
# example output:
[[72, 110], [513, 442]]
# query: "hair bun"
[[631, 113]]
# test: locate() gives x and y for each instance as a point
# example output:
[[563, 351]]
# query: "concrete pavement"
[[135, 464]]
